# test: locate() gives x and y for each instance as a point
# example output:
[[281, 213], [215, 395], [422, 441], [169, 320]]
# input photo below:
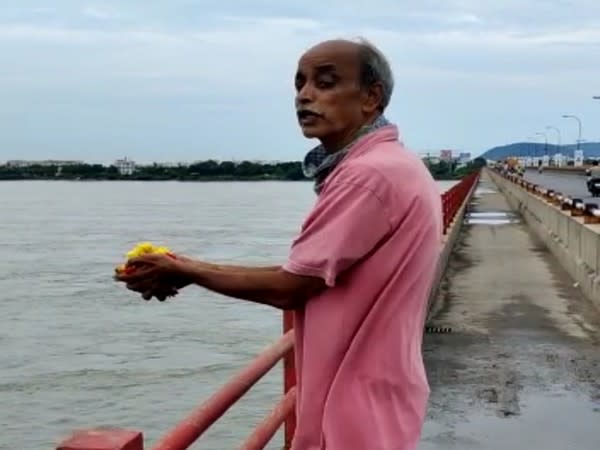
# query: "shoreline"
[[202, 180]]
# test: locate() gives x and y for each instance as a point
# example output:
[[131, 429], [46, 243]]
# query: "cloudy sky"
[[187, 80]]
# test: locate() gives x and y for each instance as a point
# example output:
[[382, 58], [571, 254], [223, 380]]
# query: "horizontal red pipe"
[[264, 432], [191, 428]]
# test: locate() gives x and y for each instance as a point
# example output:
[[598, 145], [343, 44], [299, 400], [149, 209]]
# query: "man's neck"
[[343, 139]]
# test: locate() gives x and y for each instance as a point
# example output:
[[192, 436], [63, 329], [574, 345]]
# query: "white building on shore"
[[126, 166]]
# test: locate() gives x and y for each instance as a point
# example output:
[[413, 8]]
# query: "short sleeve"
[[348, 222]]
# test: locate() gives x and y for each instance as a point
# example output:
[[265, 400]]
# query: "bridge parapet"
[[568, 226]]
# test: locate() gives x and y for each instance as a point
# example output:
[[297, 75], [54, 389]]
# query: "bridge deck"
[[521, 367]]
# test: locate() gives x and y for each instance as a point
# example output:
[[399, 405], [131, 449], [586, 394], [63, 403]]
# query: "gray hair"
[[375, 68]]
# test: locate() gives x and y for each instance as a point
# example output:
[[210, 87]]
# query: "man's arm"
[[231, 268], [265, 285]]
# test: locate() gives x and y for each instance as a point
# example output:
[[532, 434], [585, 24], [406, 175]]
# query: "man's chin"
[[312, 132]]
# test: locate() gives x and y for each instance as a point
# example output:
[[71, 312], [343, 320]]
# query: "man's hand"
[[155, 275], [162, 275]]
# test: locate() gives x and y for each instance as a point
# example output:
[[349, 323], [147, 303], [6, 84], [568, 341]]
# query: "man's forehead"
[[337, 53]]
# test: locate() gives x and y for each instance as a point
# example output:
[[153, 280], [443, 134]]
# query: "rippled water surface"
[[80, 351]]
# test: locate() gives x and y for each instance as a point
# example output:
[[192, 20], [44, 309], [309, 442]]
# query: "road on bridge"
[[520, 367], [569, 184]]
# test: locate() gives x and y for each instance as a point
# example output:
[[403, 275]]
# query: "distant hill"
[[590, 150]]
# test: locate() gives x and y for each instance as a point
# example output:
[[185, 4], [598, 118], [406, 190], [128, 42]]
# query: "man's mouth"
[[306, 115]]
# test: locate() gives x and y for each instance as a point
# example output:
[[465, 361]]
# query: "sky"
[[185, 80]]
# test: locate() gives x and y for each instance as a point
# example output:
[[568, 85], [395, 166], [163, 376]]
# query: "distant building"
[[446, 155], [125, 166], [559, 160], [464, 157]]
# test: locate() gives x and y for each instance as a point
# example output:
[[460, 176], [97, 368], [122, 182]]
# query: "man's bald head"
[[372, 64], [340, 46], [352, 80]]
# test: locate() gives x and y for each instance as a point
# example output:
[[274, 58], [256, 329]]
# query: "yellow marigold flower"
[[146, 247], [143, 248]]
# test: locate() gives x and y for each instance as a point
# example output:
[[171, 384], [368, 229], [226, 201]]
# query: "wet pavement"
[[520, 367]]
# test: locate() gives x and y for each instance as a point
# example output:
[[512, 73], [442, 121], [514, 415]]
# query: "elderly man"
[[358, 274]]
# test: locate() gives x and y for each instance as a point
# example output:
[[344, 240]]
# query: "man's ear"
[[373, 97]]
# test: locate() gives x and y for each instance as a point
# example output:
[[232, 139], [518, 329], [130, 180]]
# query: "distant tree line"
[[451, 170], [199, 171]]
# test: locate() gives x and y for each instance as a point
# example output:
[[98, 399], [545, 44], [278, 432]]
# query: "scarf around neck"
[[318, 162]]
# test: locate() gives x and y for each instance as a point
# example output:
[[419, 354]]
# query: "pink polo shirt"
[[374, 236]]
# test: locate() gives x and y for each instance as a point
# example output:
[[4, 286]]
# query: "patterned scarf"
[[318, 162]]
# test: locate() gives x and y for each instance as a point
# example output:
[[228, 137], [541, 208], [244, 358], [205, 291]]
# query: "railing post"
[[104, 439], [289, 380]]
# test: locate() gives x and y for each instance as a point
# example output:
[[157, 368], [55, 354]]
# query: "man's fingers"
[[158, 290], [152, 290], [135, 276], [140, 287], [147, 282], [144, 260], [163, 291]]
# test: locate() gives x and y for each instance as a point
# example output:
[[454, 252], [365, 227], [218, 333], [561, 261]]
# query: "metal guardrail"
[[579, 170], [575, 207], [185, 433]]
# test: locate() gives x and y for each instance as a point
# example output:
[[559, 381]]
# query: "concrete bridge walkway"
[[520, 368]]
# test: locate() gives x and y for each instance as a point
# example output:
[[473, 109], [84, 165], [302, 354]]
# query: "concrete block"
[[589, 248], [574, 239], [551, 222], [563, 228], [595, 294]]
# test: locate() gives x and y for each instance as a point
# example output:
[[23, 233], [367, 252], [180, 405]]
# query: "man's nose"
[[305, 95]]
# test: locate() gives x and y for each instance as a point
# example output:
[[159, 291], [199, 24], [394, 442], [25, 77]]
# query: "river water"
[[78, 350]]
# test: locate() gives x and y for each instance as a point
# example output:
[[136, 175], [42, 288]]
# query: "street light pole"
[[545, 141], [570, 116], [550, 127], [531, 147]]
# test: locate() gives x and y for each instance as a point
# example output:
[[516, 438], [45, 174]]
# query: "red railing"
[[453, 198], [184, 434]]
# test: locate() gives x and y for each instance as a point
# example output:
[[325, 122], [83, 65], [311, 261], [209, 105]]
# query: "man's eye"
[[299, 82], [325, 84]]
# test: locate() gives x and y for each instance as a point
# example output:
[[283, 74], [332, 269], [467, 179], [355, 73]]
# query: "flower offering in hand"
[[143, 248]]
